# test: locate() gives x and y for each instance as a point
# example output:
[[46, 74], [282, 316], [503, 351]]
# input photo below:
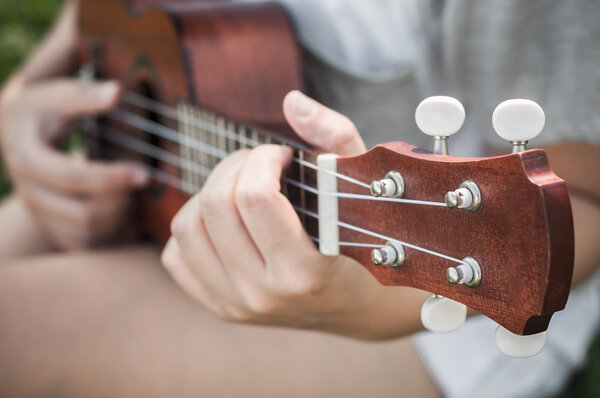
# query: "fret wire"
[[302, 181], [203, 114], [232, 144], [193, 134], [378, 235], [220, 122], [184, 150]]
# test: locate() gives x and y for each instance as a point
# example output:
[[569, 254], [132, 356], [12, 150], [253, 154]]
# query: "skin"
[[103, 300], [76, 202]]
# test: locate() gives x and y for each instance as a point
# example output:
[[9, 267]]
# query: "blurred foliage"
[[586, 383], [24, 22]]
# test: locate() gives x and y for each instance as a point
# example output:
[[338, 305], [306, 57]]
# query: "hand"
[[78, 203], [239, 249]]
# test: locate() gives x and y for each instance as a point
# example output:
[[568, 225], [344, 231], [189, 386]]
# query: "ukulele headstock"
[[494, 234]]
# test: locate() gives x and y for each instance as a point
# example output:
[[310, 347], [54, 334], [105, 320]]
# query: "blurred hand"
[[79, 203], [239, 248]]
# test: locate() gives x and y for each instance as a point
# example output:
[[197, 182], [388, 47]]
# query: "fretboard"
[[208, 137], [181, 146]]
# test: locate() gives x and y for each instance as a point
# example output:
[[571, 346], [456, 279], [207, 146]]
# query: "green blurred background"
[[23, 23]]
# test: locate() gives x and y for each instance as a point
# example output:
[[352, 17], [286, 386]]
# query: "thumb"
[[71, 97], [320, 126]]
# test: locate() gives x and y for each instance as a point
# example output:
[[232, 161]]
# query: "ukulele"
[[203, 79]]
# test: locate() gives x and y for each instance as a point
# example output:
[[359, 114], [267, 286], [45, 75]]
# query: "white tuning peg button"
[[518, 121], [440, 314], [440, 117], [516, 346]]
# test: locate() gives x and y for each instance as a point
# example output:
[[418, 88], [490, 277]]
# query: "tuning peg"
[[518, 121], [440, 117], [516, 346], [440, 314], [392, 254]]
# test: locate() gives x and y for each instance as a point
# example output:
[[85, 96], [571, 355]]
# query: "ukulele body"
[[238, 60]]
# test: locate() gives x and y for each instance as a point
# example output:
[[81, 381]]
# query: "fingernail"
[[108, 91], [303, 106], [139, 177], [286, 151]]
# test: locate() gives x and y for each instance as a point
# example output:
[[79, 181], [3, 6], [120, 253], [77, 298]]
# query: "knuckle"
[[179, 225], [301, 284], [260, 303], [212, 202], [253, 197]]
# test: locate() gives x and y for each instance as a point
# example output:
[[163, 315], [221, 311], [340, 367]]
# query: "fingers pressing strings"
[[345, 143]]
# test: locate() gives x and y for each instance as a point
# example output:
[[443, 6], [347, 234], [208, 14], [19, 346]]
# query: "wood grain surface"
[[522, 235]]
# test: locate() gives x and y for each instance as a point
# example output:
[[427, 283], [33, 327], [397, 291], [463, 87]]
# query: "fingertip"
[[139, 176], [109, 92], [286, 152], [298, 106], [136, 174]]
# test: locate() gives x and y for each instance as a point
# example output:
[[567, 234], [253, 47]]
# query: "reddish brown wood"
[[522, 235], [236, 59]]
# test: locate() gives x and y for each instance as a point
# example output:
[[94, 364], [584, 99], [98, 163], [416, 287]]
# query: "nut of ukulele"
[[440, 314], [516, 346], [440, 117], [518, 121]]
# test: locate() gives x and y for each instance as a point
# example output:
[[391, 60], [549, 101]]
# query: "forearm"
[[586, 219]]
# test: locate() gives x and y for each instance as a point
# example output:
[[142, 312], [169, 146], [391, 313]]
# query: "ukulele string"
[[351, 244], [167, 133], [203, 147], [346, 195], [376, 235], [140, 146], [155, 152], [151, 105]]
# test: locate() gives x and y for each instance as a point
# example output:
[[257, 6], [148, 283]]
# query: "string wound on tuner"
[[391, 186], [392, 254], [467, 196]]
